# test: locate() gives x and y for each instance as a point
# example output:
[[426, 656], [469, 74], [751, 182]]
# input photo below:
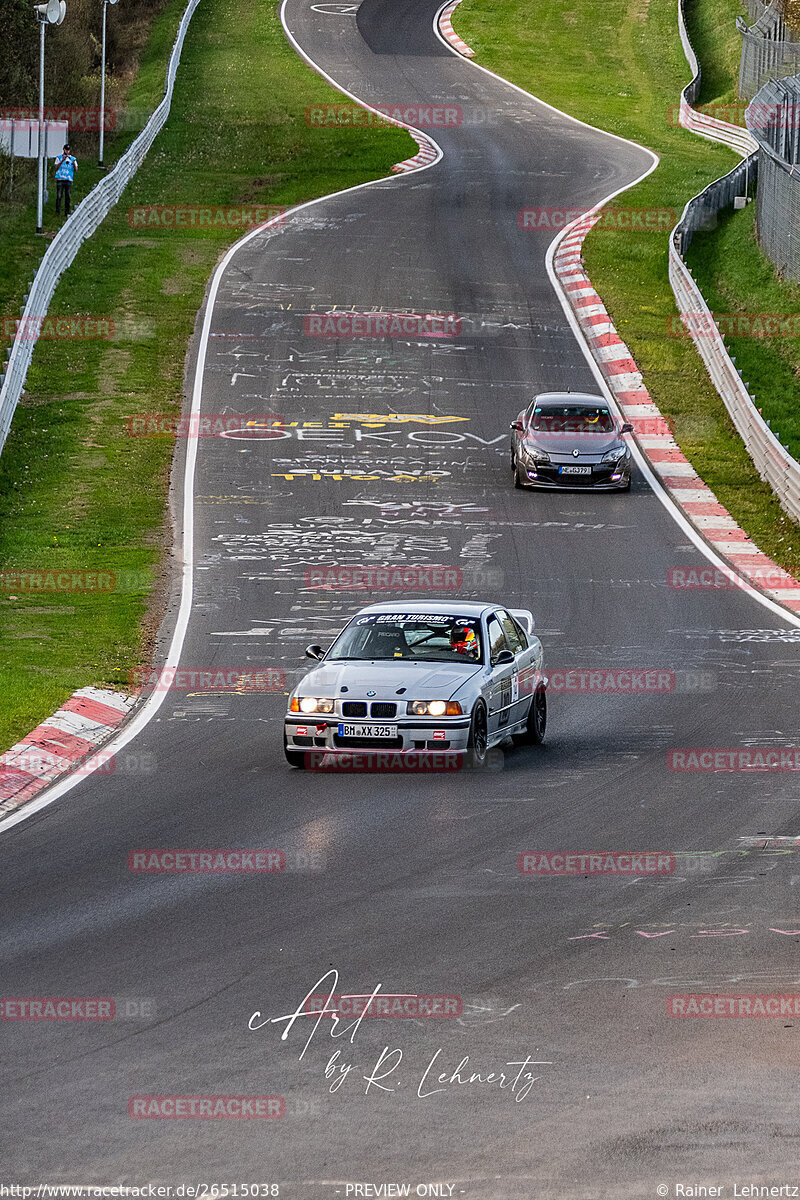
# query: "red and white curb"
[[428, 153], [653, 435], [449, 34], [61, 744]]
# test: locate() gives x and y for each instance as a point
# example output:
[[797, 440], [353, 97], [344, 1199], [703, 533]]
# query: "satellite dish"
[[53, 11], [112, 1], [62, 11]]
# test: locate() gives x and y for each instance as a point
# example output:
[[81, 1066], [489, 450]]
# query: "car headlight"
[[616, 453], [311, 704], [538, 457], [434, 708]]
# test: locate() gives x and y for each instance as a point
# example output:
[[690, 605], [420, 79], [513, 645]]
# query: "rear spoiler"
[[524, 617]]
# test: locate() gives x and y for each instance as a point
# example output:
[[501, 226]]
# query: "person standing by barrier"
[[66, 166]]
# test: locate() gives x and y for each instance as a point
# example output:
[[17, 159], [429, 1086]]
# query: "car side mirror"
[[315, 652], [504, 657], [517, 425], [627, 428]]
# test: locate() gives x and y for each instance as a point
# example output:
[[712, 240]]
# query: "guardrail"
[[772, 460], [701, 211], [79, 226], [702, 124]]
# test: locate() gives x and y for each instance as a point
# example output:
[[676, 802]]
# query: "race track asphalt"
[[396, 451]]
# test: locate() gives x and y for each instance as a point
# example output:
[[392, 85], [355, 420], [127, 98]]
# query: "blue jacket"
[[65, 167]]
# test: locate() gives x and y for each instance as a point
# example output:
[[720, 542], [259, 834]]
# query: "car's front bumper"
[[604, 475], [413, 733]]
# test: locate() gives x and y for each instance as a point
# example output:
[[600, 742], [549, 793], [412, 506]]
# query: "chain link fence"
[[769, 47], [755, 9], [773, 118], [80, 225]]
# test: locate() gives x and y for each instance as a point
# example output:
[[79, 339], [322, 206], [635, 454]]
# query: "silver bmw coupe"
[[422, 676]]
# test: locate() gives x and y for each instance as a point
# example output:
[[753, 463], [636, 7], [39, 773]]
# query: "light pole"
[[103, 82], [42, 23], [51, 13]]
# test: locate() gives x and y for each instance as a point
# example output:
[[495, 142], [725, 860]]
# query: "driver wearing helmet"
[[464, 641]]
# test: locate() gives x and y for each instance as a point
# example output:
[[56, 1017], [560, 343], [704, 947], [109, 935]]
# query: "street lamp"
[[51, 13], [103, 82]]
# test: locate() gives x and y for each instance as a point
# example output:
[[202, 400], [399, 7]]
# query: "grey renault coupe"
[[570, 439]]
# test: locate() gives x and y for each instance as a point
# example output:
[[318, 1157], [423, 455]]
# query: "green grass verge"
[[22, 247], [619, 65], [737, 278], [711, 25], [75, 491]]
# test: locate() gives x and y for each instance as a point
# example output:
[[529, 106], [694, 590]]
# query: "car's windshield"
[[435, 637], [572, 418]]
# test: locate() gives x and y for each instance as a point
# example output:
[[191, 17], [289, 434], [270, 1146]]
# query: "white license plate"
[[575, 469], [368, 731]]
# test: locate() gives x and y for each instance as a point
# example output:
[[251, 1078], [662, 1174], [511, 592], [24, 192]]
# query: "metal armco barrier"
[[702, 210], [714, 130], [773, 118], [82, 223], [772, 460]]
